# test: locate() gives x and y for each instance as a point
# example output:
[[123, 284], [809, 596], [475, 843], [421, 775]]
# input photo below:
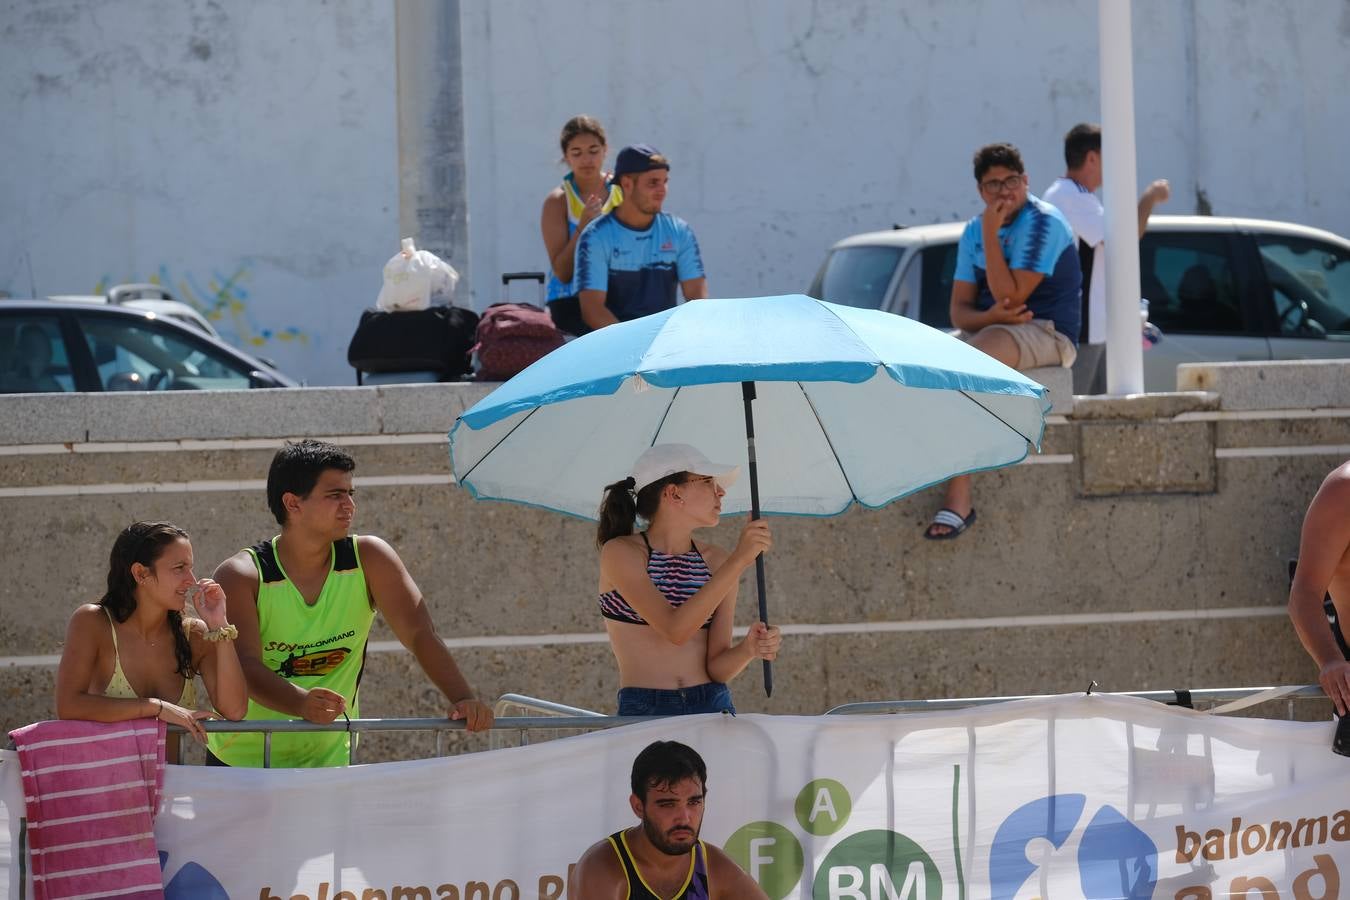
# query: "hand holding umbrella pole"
[[748, 395]]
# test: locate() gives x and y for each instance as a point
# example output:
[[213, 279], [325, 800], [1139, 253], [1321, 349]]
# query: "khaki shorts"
[[1038, 343]]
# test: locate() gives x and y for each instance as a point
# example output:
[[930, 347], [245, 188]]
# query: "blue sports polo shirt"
[[1039, 239], [639, 271]]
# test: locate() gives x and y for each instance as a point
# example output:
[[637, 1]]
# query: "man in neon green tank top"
[[304, 602]]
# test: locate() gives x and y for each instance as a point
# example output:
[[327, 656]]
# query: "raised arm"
[[1324, 544], [400, 602], [216, 659], [1005, 283], [1157, 192], [624, 564], [727, 658]]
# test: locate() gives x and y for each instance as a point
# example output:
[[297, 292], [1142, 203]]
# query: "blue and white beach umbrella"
[[852, 406], [842, 405]]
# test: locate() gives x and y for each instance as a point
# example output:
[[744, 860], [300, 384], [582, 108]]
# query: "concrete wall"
[[245, 154], [1145, 547], [789, 131]]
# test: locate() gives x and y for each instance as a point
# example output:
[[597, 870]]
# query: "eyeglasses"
[[700, 479], [996, 185]]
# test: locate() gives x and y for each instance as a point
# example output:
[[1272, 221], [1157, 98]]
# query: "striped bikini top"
[[677, 577], [695, 883]]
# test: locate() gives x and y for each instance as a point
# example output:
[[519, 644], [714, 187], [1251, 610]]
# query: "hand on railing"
[[476, 714]]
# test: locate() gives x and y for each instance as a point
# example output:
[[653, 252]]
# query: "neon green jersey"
[[323, 645]]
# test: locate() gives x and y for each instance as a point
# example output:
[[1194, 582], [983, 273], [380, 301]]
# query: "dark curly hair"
[[144, 542]]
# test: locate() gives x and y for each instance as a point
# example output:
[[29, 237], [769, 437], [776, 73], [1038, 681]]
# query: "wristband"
[[226, 632], [159, 707]]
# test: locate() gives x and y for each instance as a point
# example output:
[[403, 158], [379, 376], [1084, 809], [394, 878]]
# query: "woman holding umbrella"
[[668, 602]]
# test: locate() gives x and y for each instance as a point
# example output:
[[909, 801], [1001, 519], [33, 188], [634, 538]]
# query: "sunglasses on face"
[[998, 185]]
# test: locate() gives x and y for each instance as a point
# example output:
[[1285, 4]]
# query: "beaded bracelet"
[[226, 632]]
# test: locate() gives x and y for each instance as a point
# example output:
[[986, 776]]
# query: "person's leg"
[[957, 495]]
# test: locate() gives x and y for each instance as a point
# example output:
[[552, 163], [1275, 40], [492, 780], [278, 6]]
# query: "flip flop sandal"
[[951, 519]]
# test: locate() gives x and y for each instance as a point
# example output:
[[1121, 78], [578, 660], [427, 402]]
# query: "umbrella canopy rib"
[[1004, 421], [523, 419], [656, 435], [829, 441]]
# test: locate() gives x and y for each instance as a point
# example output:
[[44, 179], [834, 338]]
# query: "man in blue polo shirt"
[[630, 260], [1015, 293]]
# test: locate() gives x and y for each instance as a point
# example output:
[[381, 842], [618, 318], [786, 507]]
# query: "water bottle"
[[1148, 331]]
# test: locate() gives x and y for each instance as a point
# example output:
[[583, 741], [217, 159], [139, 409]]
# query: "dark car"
[[50, 346]]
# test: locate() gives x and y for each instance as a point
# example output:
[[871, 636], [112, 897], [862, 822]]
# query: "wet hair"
[[144, 542], [665, 763], [990, 155], [621, 508], [577, 126], [1081, 140], [296, 469]]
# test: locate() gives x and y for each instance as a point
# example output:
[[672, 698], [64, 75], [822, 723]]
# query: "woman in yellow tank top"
[[133, 654]]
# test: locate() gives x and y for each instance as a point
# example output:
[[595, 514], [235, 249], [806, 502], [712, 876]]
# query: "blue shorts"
[[701, 698]]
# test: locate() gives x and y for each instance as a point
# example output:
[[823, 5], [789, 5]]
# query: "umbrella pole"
[[748, 395]]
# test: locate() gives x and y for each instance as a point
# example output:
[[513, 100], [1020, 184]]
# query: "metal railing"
[[553, 716], [1216, 700]]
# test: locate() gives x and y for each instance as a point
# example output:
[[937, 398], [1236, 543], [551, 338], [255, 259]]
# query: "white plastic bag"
[[412, 277]]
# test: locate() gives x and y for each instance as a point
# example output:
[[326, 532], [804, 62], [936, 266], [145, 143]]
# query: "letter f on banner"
[[759, 860]]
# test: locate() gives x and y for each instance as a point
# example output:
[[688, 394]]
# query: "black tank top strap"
[[647, 542], [637, 889]]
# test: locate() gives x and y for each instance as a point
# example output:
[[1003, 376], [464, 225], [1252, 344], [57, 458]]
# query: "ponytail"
[[621, 507], [618, 511]]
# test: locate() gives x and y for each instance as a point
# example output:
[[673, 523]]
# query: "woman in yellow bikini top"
[[133, 654]]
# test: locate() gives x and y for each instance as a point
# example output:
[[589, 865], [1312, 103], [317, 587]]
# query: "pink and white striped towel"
[[91, 790]]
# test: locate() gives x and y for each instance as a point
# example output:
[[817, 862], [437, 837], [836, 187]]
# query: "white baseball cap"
[[666, 459]]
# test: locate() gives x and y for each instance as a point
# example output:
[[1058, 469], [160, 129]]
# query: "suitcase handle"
[[508, 277]]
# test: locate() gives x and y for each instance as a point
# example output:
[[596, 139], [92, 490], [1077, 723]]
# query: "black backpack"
[[437, 339]]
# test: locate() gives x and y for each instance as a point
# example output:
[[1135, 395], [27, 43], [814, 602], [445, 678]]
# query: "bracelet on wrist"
[[159, 707], [226, 632]]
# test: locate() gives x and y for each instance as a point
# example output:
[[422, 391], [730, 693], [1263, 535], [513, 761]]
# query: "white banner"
[[1088, 797]]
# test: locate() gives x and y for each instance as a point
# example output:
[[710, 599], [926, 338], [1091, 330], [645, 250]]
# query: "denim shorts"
[[701, 698]]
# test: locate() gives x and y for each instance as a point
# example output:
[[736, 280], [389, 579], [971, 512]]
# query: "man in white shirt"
[[1073, 194]]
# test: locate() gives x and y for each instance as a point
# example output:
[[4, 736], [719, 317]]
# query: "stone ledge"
[[1280, 384], [1159, 457], [1136, 407], [207, 415]]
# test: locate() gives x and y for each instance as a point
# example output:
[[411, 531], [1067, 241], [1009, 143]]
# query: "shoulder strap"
[[265, 555], [344, 554], [647, 542], [112, 625], [636, 888]]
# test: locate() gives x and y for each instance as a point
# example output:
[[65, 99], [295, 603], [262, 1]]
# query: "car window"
[[1187, 278], [1310, 285], [138, 355], [935, 303], [33, 356], [857, 276]]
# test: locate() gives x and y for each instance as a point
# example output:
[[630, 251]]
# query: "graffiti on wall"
[[223, 299]]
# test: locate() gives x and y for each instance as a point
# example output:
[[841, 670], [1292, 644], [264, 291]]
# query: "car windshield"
[[857, 276], [143, 356]]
